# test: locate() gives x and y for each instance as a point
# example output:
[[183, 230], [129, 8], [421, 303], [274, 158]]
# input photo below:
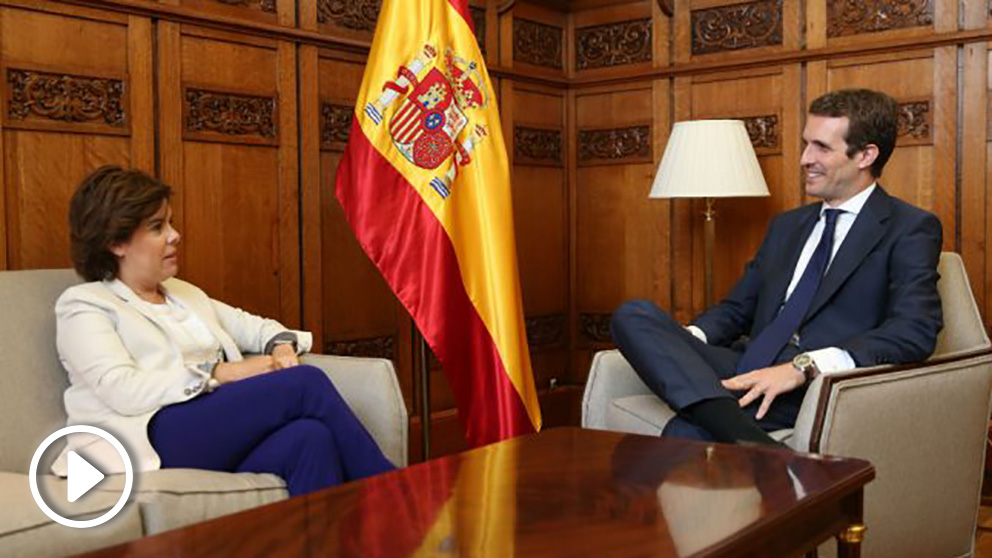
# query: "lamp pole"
[[709, 236]]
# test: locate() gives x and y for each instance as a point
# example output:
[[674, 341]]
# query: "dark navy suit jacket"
[[878, 299]]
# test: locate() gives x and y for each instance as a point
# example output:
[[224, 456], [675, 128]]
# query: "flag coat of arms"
[[424, 183]]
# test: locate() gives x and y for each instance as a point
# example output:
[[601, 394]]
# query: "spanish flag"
[[425, 185]]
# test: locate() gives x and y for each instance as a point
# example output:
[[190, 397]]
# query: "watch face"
[[802, 361]]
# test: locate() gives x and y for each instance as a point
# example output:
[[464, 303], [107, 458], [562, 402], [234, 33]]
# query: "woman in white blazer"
[[157, 363]]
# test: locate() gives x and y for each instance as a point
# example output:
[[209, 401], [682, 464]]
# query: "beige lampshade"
[[709, 159]]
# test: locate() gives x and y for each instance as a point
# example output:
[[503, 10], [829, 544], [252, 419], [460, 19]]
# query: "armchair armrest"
[[370, 388], [923, 427], [610, 377]]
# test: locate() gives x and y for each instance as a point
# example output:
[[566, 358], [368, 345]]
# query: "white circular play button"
[[82, 477]]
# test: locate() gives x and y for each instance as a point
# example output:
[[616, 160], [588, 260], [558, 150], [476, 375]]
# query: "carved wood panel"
[[736, 27], [594, 328], [915, 123], [376, 347], [37, 99], [545, 331], [268, 6], [229, 117], [614, 44], [764, 133], [335, 125], [357, 15], [537, 43], [854, 17], [537, 146], [627, 145]]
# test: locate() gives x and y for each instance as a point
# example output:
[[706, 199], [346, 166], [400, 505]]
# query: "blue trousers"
[[290, 422], [682, 370]]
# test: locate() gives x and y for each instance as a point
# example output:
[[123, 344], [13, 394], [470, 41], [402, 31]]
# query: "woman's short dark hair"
[[873, 118], [106, 209]]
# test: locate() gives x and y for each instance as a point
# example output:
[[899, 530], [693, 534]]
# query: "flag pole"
[[425, 395]]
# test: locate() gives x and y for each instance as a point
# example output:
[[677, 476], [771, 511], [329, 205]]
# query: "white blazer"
[[123, 366]]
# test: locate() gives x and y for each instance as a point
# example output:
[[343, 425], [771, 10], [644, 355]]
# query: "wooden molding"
[[613, 44], [667, 7]]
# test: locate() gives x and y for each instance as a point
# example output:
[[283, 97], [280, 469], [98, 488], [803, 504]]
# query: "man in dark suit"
[[846, 282]]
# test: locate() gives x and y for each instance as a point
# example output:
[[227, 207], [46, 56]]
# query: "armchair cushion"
[[26, 531]]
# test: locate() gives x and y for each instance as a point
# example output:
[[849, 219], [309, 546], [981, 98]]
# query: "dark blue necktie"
[[763, 349]]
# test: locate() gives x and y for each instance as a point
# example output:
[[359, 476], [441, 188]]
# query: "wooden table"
[[563, 492]]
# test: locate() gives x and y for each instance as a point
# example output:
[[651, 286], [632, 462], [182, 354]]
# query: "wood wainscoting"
[[244, 107]]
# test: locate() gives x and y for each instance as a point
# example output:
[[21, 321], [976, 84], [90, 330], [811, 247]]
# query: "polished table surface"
[[563, 492]]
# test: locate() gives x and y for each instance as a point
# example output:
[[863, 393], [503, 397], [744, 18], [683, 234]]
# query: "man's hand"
[[285, 356], [770, 382]]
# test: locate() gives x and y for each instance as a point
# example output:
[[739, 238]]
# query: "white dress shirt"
[[829, 359]]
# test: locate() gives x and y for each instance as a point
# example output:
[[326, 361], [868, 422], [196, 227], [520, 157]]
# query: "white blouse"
[[190, 335]]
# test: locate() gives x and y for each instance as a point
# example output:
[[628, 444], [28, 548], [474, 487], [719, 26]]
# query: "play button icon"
[[82, 476]]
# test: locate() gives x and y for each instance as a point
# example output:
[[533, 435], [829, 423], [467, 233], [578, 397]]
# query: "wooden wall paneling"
[[51, 140], [540, 207], [288, 190], [714, 29], [768, 101], [310, 195], [263, 11], [141, 80], [924, 158], [355, 19], [613, 41], [975, 154], [359, 314], [685, 288], [170, 123], [974, 197], [855, 23], [622, 236], [236, 100], [537, 39]]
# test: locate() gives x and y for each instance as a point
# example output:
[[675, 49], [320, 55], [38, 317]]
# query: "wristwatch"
[[804, 363]]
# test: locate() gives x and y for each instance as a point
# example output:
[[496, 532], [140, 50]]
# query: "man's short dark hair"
[[106, 209], [873, 117]]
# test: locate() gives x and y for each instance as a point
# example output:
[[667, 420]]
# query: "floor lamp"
[[709, 159]]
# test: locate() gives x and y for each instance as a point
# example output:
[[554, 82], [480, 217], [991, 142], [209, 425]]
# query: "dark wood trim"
[[829, 380]]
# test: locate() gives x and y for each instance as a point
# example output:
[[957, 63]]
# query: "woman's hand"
[[227, 372], [284, 356]]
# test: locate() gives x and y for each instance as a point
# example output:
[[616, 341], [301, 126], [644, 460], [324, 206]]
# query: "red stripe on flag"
[[462, 7], [412, 250]]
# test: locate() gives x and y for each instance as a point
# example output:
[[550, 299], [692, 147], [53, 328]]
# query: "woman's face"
[[151, 255]]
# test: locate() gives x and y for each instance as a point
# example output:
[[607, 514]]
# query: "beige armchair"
[[923, 427], [31, 385]]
